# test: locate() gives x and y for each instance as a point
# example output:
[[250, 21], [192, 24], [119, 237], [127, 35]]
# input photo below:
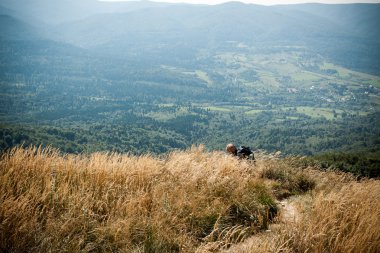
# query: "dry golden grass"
[[190, 201], [111, 202], [339, 215], [343, 220]]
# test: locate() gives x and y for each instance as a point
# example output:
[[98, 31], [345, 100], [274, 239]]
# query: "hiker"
[[231, 149], [242, 152]]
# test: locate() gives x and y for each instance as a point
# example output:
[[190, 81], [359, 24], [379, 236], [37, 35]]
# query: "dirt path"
[[288, 216], [288, 211]]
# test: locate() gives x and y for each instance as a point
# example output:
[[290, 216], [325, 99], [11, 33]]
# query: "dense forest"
[[81, 84]]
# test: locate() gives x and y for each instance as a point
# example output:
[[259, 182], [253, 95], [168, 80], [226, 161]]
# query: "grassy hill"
[[188, 201]]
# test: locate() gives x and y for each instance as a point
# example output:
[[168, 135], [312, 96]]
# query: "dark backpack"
[[244, 152]]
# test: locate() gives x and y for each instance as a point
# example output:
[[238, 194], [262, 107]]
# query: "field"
[[188, 201]]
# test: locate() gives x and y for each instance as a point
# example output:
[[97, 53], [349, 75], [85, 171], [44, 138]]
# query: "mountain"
[[145, 77], [6, 11], [358, 47], [127, 28], [361, 19], [192, 24], [55, 12], [333, 32], [14, 29]]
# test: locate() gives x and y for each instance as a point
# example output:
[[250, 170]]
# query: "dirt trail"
[[288, 211], [288, 215]]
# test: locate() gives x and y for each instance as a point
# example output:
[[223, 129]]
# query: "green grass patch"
[[342, 72], [217, 108], [165, 116], [268, 80], [285, 68], [305, 76], [160, 116], [375, 83], [315, 112], [166, 105], [253, 112], [203, 76]]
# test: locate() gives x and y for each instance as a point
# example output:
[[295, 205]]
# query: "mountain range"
[[297, 78], [126, 28]]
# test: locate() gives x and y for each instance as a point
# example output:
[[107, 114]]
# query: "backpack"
[[244, 152]]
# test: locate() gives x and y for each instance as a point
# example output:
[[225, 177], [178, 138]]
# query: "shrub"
[[291, 180]]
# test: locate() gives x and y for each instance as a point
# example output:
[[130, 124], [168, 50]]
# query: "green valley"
[[177, 79]]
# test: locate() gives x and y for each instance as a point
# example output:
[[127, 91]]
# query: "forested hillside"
[[147, 77]]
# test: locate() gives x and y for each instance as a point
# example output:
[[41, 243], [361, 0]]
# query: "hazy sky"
[[264, 2]]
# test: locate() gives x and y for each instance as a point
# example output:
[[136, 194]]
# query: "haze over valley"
[[144, 76]]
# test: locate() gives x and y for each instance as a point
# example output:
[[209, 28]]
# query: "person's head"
[[231, 149]]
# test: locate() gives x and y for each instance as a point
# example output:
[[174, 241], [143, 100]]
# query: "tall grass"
[[189, 201], [343, 220], [340, 215], [112, 202]]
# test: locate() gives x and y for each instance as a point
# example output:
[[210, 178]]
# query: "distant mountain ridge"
[[347, 35], [303, 79], [61, 11], [14, 29], [333, 31]]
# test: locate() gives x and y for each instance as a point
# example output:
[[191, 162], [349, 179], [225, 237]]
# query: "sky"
[[264, 2]]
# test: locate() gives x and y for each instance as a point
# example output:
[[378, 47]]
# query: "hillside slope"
[[14, 29], [333, 31], [146, 77], [190, 201]]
